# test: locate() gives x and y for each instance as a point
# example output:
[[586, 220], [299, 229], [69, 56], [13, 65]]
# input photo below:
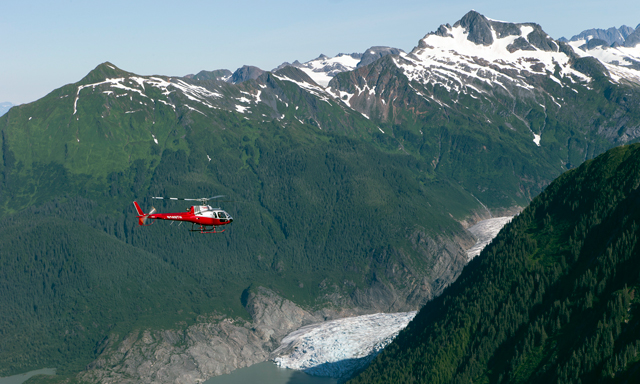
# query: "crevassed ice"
[[485, 231], [338, 348]]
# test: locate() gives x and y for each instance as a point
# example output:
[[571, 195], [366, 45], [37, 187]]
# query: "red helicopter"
[[203, 218]]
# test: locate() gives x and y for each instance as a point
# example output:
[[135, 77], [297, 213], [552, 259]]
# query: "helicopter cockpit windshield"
[[207, 211], [223, 216]]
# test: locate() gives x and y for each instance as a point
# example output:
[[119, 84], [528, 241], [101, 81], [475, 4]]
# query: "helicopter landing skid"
[[204, 229]]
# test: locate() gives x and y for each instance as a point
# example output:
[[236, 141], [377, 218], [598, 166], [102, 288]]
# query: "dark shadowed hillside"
[[554, 298]]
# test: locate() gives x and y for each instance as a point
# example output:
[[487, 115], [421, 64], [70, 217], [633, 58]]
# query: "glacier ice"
[[338, 348], [485, 231]]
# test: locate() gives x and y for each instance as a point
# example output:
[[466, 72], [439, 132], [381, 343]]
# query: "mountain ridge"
[[612, 36], [4, 107]]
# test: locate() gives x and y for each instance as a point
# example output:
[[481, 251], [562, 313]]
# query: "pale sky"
[[47, 44]]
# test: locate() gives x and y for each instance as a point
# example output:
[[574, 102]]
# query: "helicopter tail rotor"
[[143, 219]]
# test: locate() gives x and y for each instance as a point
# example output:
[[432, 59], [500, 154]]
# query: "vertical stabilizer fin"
[[138, 209]]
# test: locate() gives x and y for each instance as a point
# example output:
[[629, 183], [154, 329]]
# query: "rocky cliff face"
[[611, 35], [218, 345], [213, 347]]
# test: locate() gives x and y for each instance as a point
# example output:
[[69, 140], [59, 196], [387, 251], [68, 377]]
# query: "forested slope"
[[554, 298], [64, 286], [319, 218]]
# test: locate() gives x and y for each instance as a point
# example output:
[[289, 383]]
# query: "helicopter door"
[[205, 211]]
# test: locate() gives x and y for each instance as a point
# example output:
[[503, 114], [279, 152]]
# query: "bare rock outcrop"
[[213, 347]]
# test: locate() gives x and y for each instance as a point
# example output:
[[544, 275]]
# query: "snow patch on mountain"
[[536, 139], [322, 69], [621, 62], [168, 104], [343, 96], [313, 89], [136, 84], [193, 109]]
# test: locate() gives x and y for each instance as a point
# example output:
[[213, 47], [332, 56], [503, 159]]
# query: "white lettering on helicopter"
[[174, 217]]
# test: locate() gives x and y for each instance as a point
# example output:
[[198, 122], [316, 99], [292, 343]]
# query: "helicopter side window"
[[222, 215]]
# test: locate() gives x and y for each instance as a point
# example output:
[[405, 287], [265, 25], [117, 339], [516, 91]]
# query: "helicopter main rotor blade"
[[202, 199], [211, 198]]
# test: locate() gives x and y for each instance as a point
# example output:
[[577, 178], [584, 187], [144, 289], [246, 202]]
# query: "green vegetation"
[[64, 286], [554, 298], [317, 213], [326, 200]]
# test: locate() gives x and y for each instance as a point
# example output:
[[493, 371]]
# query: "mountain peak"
[[102, 72], [247, 72], [483, 31], [611, 35], [217, 74], [477, 26], [633, 39], [374, 53]]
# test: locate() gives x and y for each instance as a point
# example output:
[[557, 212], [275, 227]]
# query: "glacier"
[[339, 348], [484, 231]]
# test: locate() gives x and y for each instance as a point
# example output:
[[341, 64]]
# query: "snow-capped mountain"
[[512, 72], [477, 50], [478, 54], [323, 68], [484, 59], [477, 57], [622, 62], [610, 36], [617, 48]]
